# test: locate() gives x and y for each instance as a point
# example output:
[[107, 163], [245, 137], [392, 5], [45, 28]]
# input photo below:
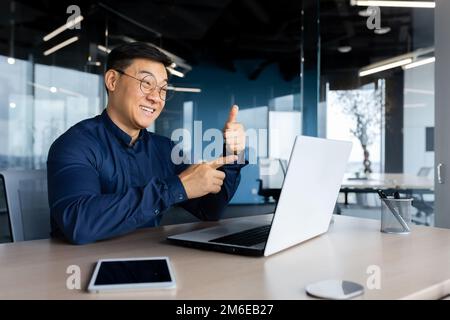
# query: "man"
[[108, 175]]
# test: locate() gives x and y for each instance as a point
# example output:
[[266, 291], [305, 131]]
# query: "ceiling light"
[[383, 30], [344, 49], [365, 13], [12, 105], [61, 45], [175, 72], [103, 48], [70, 24], [397, 61], [384, 67], [419, 63], [184, 89], [54, 89], [93, 63], [69, 92], [11, 59], [398, 4]]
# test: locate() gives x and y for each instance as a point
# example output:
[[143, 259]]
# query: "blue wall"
[[222, 88], [310, 103]]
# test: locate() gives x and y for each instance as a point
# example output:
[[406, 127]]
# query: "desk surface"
[[411, 266]]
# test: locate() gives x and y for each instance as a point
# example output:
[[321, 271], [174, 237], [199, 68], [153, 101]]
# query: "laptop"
[[304, 210]]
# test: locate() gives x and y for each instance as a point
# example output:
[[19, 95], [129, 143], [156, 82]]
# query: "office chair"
[[27, 203], [425, 209], [271, 177], [5, 230]]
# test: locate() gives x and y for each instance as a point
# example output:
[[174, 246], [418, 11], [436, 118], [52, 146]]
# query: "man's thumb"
[[233, 113]]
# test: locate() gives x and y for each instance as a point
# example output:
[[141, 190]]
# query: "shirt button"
[[156, 211]]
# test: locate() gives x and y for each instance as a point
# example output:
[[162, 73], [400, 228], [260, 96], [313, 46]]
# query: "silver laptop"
[[310, 189]]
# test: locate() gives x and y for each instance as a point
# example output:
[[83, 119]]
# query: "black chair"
[[271, 176], [26, 203]]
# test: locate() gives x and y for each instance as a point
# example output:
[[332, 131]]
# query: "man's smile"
[[147, 110]]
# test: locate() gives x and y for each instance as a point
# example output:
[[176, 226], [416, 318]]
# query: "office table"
[[410, 266], [389, 182]]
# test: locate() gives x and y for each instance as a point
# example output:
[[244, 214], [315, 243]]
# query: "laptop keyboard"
[[246, 238]]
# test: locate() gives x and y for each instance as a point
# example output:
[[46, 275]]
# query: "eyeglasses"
[[149, 83]]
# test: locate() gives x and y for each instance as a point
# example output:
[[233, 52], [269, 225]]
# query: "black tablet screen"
[[132, 271]]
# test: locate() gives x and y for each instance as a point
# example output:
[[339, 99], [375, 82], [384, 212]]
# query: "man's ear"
[[111, 78]]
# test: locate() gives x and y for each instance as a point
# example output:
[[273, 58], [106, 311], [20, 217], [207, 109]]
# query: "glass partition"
[[377, 80]]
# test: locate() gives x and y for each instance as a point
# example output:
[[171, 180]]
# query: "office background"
[[292, 66]]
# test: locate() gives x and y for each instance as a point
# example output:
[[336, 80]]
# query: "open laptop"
[[310, 189]]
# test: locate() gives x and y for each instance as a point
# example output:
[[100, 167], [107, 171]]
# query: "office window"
[[357, 116], [283, 126], [15, 115], [38, 103], [63, 97], [418, 118]]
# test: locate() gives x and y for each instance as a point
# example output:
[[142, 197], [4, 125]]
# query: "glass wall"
[[269, 109], [357, 116], [377, 79], [225, 53], [39, 103]]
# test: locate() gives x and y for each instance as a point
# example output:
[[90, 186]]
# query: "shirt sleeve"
[[211, 206], [83, 214]]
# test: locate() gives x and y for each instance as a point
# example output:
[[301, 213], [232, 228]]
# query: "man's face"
[[136, 108]]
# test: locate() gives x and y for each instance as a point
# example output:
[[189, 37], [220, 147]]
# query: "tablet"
[[132, 274]]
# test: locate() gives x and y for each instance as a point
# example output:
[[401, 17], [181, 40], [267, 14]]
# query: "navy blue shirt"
[[101, 187]]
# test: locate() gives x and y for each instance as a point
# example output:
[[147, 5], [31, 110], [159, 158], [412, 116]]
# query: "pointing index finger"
[[217, 163]]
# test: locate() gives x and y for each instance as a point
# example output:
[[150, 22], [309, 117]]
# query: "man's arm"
[[84, 214], [210, 207]]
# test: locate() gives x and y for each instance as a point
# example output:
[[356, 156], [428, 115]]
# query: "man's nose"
[[153, 95]]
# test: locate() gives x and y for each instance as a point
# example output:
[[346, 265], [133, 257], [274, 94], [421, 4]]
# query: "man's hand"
[[234, 133], [201, 179]]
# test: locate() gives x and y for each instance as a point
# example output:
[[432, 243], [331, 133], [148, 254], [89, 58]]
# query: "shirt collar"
[[119, 133]]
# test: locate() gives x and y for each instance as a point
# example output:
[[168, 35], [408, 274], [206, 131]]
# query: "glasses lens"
[[148, 83], [165, 93]]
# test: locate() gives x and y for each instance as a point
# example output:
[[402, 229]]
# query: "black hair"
[[122, 56]]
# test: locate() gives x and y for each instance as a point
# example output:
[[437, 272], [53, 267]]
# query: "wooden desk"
[[412, 266]]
